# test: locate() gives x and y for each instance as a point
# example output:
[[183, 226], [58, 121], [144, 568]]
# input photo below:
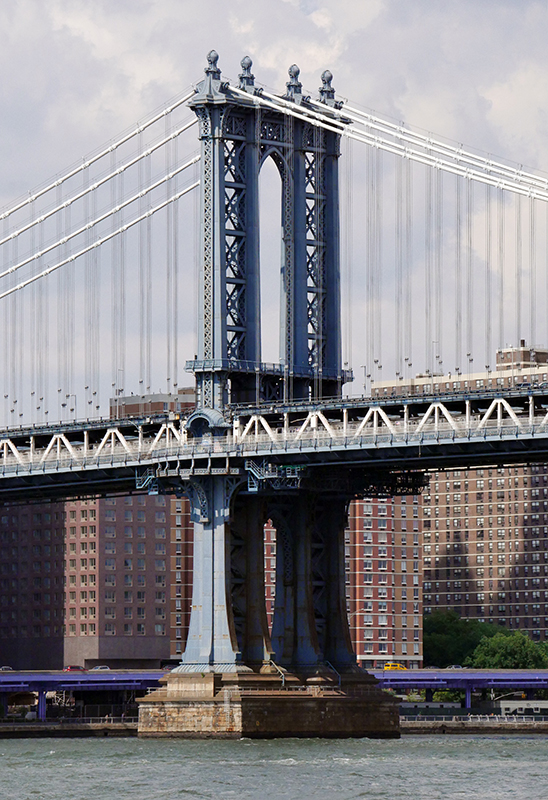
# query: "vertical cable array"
[[408, 262], [59, 316], [518, 271], [469, 274], [458, 275], [533, 275], [378, 264], [501, 250], [347, 253], [438, 280], [399, 238], [488, 301], [170, 337], [428, 267]]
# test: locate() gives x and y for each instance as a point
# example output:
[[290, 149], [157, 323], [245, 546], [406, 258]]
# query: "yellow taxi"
[[394, 665]]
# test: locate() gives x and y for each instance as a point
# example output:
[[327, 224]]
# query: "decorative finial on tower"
[[212, 68], [246, 77], [294, 86], [327, 92]]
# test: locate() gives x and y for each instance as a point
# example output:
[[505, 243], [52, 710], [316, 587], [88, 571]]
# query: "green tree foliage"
[[509, 651], [448, 639]]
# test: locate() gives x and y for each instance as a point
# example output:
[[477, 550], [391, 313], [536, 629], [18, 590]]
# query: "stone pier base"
[[232, 705]]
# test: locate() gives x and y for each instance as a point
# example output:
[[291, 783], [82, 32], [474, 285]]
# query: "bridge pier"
[[233, 679]]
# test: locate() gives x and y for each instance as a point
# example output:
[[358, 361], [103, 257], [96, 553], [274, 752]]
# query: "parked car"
[[6, 669], [394, 665], [74, 668], [99, 667]]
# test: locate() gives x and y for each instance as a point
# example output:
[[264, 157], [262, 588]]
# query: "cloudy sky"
[[77, 72]]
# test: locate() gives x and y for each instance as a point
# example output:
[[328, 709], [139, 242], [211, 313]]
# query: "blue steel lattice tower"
[[237, 136]]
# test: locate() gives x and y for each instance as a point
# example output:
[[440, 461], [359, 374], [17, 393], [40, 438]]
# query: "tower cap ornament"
[[247, 79], [327, 92], [212, 68], [294, 86]]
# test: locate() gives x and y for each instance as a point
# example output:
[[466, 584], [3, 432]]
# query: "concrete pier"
[[232, 705]]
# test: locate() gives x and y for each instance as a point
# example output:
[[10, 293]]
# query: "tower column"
[[212, 644]]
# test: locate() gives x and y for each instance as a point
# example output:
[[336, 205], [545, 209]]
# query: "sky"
[[77, 72]]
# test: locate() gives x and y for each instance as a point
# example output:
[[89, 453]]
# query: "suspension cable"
[[97, 157]]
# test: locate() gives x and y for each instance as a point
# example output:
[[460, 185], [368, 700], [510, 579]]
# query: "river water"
[[413, 768]]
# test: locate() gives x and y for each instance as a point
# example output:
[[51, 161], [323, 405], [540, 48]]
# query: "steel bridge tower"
[[229, 638]]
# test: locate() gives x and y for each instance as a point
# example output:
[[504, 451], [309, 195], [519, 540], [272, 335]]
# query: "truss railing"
[[260, 436]]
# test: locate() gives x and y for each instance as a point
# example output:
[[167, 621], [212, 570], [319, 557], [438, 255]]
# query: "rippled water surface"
[[414, 768]]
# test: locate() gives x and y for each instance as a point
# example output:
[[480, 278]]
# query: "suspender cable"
[[518, 270], [169, 261], [148, 290], [438, 269], [533, 275], [458, 275], [142, 231], [369, 266], [399, 263], [501, 250], [408, 264], [379, 180], [469, 281], [488, 299], [175, 267], [428, 267]]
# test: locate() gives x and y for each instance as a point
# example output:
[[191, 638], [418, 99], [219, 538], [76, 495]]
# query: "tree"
[[448, 639], [509, 651]]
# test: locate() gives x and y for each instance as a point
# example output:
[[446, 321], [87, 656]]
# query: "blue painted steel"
[[22, 681], [462, 679]]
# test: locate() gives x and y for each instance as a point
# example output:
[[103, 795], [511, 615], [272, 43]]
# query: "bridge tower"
[[229, 641], [237, 136]]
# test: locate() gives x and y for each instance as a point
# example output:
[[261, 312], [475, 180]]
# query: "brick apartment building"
[[384, 580], [485, 531]]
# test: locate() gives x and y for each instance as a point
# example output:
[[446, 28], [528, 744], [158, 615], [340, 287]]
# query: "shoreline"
[[465, 726], [33, 730]]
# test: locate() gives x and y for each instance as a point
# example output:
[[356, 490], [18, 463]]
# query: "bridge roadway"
[[467, 680], [391, 434]]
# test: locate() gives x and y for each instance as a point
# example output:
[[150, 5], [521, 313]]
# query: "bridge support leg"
[[212, 644], [337, 646], [247, 580], [310, 619]]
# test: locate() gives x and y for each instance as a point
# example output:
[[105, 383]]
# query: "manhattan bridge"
[[97, 267]]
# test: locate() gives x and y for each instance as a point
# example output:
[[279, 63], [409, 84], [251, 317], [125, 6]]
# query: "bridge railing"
[[262, 439]]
